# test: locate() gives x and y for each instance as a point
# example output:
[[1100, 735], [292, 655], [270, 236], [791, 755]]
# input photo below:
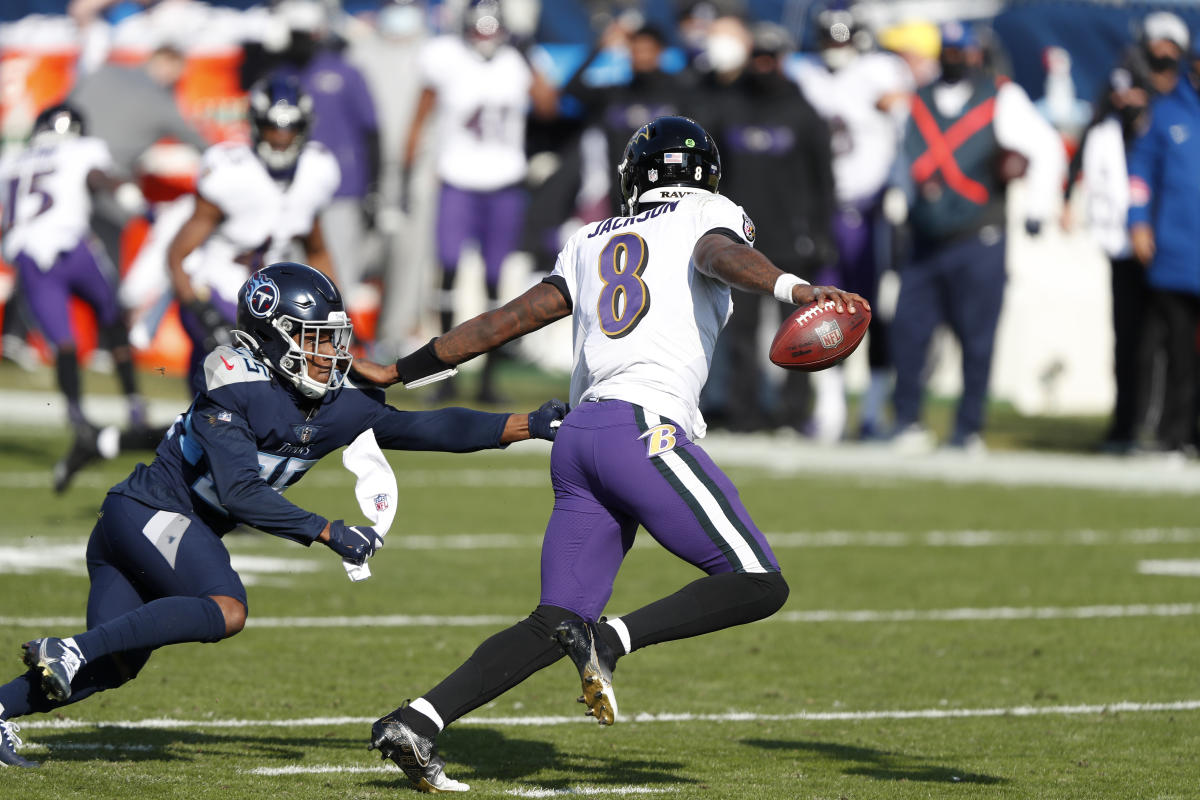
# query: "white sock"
[[618, 625], [426, 709]]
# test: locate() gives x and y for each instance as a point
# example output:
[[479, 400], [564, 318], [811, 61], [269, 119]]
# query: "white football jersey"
[[481, 109], [260, 213], [864, 139], [45, 196], [645, 321]]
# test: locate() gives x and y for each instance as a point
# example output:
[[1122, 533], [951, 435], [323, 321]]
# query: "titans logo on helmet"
[[262, 295]]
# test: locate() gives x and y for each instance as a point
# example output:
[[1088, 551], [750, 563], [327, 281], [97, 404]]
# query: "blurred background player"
[[776, 162], [252, 203], [47, 197], [862, 94], [160, 572], [956, 154], [481, 87], [344, 120]]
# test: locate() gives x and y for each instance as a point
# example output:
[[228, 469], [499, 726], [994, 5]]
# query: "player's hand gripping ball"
[[817, 336]]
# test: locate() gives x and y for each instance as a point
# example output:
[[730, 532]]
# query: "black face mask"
[[953, 71], [1162, 63]]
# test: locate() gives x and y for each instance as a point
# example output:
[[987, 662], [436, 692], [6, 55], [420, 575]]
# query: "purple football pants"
[[75, 272], [615, 466], [492, 219]]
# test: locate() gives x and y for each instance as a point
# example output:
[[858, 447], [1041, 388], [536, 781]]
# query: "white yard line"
[[316, 769], [1123, 707], [989, 614]]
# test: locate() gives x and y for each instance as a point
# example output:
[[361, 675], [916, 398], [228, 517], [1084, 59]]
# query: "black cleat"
[[9, 743], [57, 662], [84, 450], [414, 754], [581, 641]]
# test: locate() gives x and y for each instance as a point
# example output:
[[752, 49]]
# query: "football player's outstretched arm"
[[536, 308], [200, 225], [743, 267]]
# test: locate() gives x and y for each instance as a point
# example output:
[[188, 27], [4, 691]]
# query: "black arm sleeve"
[[232, 455]]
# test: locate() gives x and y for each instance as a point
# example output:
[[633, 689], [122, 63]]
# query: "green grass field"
[[914, 659]]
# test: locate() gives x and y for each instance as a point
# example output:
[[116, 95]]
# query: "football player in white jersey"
[[481, 87], [649, 292], [46, 196], [253, 202], [862, 94]]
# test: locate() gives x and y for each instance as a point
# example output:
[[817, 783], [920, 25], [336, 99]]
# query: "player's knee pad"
[[545, 619]]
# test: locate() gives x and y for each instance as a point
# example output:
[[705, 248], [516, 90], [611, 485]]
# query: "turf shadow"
[[141, 745], [880, 764], [485, 754]]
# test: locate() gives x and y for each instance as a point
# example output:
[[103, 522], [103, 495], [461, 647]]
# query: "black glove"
[[216, 327], [544, 423], [355, 543]]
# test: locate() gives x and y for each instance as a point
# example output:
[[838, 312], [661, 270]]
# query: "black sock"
[[710, 604], [500, 663], [66, 369], [446, 303]]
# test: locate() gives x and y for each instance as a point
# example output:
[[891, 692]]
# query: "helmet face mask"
[[666, 157], [278, 103], [292, 316]]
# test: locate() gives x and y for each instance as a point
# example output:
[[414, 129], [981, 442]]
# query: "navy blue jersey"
[[249, 436]]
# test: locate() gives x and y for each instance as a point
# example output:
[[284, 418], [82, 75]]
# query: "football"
[[816, 336]]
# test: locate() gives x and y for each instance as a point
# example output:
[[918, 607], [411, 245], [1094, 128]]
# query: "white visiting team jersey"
[[864, 139], [482, 103], [45, 197], [645, 320], [260, 213]]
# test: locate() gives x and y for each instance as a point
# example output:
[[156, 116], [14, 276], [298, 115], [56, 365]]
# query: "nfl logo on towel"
[[381, 502]]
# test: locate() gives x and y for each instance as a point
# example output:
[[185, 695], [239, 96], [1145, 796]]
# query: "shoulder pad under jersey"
[[227, 365]]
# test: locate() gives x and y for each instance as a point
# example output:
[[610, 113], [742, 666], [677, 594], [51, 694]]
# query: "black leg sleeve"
[[500, 663], [710, 604]]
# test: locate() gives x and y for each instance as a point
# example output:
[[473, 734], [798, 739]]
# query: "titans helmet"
[[59, 121], [279, 102], [667, 152], [286, 311]]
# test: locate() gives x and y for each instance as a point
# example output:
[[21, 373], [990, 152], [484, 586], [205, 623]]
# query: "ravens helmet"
[[483, 27], [667, 152], [286, 312], [59, 121], [279, 103]]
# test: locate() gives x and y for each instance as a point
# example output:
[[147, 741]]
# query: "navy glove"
[[543, 423], [355, 543]]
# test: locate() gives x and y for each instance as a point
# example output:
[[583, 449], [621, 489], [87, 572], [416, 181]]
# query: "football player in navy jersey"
[[270, 409]]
